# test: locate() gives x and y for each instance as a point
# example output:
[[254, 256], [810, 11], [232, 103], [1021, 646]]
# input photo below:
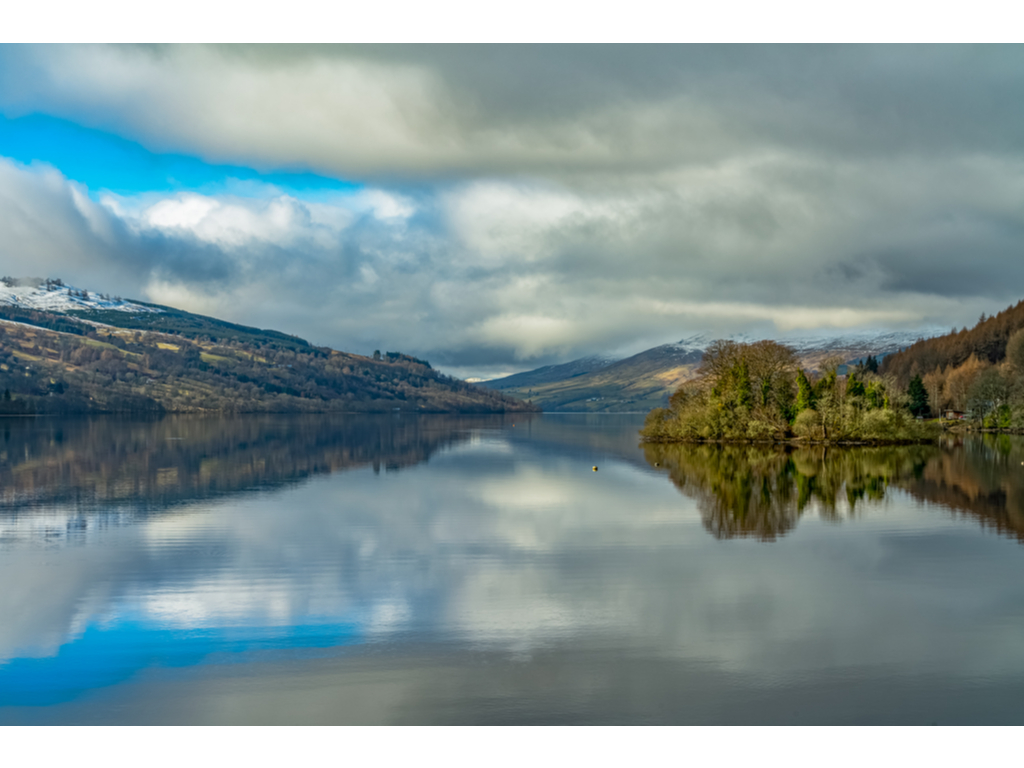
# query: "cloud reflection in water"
[[493, 578]]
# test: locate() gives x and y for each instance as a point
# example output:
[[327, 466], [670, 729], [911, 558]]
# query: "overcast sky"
[[494, 209]]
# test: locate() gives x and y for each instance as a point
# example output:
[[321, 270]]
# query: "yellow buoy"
[[595, 469]]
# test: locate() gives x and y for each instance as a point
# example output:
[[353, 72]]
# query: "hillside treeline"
[[977, 371], [104, 369], [758, 392], [986, 341], [181, 323]]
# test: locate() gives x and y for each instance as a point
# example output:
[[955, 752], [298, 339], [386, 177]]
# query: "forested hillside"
[[51, 362], [978, 371], [986, 341]]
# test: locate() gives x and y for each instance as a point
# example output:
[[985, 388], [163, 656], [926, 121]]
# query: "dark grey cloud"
[[410, 111], [861, 99]]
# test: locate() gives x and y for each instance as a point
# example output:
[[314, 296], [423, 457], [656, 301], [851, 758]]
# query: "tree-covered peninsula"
[[758, 392]]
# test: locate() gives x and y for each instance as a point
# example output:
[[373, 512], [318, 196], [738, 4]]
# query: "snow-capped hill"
[[55, 296], [701, 341], [878, 343]]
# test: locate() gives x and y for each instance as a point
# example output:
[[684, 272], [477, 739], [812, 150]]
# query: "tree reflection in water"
[[108, 463], [762, 491], [981, 477]]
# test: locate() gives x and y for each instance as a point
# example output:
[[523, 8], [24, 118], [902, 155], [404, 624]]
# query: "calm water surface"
[[477, 570]]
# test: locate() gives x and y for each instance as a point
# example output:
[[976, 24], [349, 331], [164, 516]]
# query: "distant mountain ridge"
[[645, 380], [551, 373]]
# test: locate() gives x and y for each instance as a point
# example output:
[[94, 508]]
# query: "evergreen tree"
[[825, 385], [918, 397], [804, 392], [871, 364], [766, 392], [874, 395], [854, 386], [744, 394]]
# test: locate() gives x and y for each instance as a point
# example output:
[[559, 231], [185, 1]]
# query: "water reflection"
[[122, 469], [981, 477], [242, 559], [496, 578], [763, 491]]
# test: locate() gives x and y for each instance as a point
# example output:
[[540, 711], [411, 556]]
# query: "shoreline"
[[796, 442]]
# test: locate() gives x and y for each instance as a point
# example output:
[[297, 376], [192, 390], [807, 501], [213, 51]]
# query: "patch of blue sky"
[[104, 656], [105, 162]]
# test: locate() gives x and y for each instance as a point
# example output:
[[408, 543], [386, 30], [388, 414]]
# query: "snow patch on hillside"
[[879, 342], [48, 296]]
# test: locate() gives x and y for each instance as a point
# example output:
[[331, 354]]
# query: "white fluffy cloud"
[[495, 275]]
